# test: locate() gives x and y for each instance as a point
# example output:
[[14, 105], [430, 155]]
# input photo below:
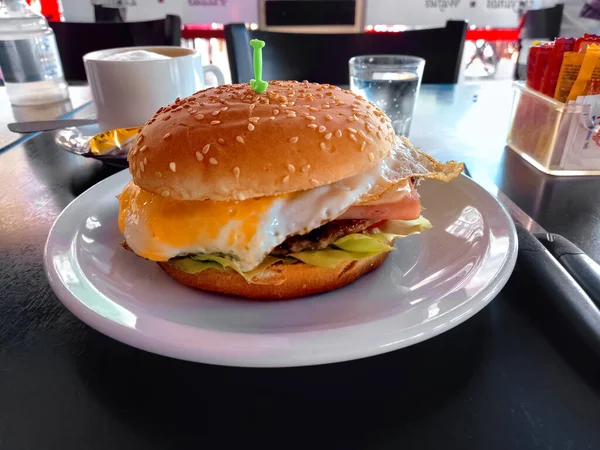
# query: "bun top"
[[230, 143]]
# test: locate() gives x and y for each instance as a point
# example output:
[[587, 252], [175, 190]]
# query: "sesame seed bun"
[[229, 143], [280, 281]]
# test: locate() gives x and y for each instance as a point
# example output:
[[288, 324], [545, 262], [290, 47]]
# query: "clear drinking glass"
[[391, 82]]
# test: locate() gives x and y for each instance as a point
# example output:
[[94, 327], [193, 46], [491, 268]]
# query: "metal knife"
[[47, 125], [569, 278]]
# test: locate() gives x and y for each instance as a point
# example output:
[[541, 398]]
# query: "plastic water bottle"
[[29, 58]]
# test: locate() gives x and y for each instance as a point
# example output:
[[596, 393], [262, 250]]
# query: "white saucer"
[[432, 283]]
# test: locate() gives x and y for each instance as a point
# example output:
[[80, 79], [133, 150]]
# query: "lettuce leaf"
[[199, 263], [364, 243], [405, 227], [330, 257], [354, 246]]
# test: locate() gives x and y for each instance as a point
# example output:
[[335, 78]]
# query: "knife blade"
[[47, 125]]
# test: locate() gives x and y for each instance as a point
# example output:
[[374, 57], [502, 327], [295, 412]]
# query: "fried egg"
[[159, 228]]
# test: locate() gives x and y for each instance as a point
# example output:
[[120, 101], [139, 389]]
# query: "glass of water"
[[391, 82]]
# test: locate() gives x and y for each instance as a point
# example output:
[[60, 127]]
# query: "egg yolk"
[[184, 224]]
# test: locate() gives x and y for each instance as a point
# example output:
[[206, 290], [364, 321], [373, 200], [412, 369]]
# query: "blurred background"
[[491, 48]]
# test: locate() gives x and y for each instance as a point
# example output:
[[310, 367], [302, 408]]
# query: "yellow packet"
[[590, 70], [568, 74], [113, 141]]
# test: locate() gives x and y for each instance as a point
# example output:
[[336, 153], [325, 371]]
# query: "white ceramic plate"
[[432, 283]]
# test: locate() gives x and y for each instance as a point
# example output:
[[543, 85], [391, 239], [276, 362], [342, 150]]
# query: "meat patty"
[[323, 236]]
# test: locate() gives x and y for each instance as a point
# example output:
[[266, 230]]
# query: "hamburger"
[[298, 190]]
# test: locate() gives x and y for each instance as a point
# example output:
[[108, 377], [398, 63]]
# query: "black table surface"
[[512, 377]]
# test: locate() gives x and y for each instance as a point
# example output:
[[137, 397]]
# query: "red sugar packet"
[[539, 65]]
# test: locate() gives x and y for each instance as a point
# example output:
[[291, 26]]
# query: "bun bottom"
[[280, 281]]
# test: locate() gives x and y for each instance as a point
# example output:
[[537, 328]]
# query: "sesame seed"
[[379, 134], [206, 148], [165, 193], [291, 168], [312, 125], [214, 113], [134, 151], [142, 167], [199, 156], [291, 114], [215, 122], [351, 119], [362, 146], [145, 160], [328, 116], [275, 112], [313, 109], [199, 116], [241, 196], [143, 148], [167, 117], [351, 130], [173, 167], [362, 133], [213, 161], [224, 108], [250, 127], [285, 179], [254, 119], [140, 138], [311, 117], [158, 174], [239, 139], [221, 141], [272, 117], [323, 146], [353, 137], [371, 157], [327, 136], [167, 136], [236, 172], [338, 133], [293, 140], [322, 129], [179, 108], [314, 182], [326, 106], [305, 168], [370, 139]]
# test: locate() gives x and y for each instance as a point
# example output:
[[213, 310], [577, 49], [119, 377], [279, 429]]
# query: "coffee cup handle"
[[216, 71]]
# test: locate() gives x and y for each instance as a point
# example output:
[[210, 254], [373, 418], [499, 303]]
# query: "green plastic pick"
[[259, 86]]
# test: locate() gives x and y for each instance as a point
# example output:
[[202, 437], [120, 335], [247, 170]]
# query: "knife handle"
[[561, 288], [581, 267]]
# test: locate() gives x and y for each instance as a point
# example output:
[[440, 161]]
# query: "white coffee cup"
[[127, 93]]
